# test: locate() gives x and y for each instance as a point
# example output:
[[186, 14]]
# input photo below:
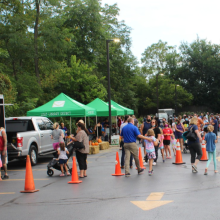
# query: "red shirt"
[[167, 131]]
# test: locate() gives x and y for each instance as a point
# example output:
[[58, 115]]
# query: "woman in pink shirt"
[[167, 132]]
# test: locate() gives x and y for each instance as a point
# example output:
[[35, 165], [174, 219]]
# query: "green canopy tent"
[[127, 110], [62, 106], [102, 108]]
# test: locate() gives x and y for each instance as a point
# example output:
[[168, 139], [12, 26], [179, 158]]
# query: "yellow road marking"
[[218, 158], [25, 170], [7, 193], [21, 179], [153, 201], [155, 196]]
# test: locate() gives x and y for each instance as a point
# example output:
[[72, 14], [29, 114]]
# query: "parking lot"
[[173, 192]]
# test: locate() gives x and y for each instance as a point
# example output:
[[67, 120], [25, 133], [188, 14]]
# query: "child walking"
[[161, 147], [150, 150], [210, 140], [62, 152]]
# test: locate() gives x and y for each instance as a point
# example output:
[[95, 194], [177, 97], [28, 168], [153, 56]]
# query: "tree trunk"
[[36, 59]]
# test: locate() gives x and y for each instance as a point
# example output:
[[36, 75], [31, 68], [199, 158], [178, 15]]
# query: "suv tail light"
[[19, 141]]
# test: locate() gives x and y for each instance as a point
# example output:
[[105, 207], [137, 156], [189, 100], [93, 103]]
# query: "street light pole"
[[161, 74], [157, 95], [176, 99], [109, 86], [109, 90]]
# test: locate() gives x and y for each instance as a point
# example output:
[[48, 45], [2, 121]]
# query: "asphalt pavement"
[[172, 192]]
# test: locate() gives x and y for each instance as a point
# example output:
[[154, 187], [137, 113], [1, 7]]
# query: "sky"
[[172, 21]]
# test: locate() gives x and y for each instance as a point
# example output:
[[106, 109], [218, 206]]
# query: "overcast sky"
[[172, 21]]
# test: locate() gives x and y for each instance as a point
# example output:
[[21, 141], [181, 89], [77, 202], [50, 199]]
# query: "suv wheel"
[[33, 155]]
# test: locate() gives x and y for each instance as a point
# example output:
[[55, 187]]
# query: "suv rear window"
[[19, 125]]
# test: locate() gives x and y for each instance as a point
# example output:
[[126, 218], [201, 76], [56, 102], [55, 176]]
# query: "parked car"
[[29, 136]]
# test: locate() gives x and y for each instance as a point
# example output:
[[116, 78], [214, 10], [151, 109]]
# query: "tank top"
[[146, 127], [179, 127]]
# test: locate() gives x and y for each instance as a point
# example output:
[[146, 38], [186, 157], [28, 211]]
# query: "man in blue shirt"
[[129, 134]]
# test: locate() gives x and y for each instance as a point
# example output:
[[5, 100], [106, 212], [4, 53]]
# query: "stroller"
[[186, 147], [54, 163]]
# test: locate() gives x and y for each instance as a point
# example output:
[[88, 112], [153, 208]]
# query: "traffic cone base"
[[117, 167], [79, 181], [29, 186], [141, 160], [75, 179], [30, 191]]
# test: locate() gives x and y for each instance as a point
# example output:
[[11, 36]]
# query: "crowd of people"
[[154, 135], [163, 135]]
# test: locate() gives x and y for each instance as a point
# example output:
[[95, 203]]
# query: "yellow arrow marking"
[[7, 193], [153, 201], [155, 196], [20, 179], [218, 158]]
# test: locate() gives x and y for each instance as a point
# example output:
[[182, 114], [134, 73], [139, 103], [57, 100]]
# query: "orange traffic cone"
[[141, 160], [117, 167], [75, 178], [204, 153], [179, 159], [29, 186]]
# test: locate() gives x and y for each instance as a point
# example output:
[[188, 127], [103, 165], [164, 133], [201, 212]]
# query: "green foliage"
[[48, 47]]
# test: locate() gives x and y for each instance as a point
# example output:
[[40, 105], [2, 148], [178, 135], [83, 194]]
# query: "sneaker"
[[154, 163], [141, 171], [131, 167], [194, 168], [145, 163], [149, 173], [163, 161], [127, 174]]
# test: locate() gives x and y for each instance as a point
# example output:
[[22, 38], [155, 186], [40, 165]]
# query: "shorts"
[[56, 145], [62, 161], [161, 147], [3, 157], [151, 155], [178, 136], [166, 142]]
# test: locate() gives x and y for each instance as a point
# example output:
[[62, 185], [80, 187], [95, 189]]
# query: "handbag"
[[191, 135], [78, 145]]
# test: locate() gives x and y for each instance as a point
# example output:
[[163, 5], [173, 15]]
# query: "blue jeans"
[[123, 155]]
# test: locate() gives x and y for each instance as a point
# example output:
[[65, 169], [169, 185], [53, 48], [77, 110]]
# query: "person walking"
[[143, 129], [3, 152], [122, 146], [149, 145], [129, 133], [210, 140], [167, 137], [62, 152], [157, 133], [194, 146], [81, 155]]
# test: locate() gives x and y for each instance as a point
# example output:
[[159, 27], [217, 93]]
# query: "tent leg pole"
[[85, 121], [70, 126], [89, 121], [96, 126]]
